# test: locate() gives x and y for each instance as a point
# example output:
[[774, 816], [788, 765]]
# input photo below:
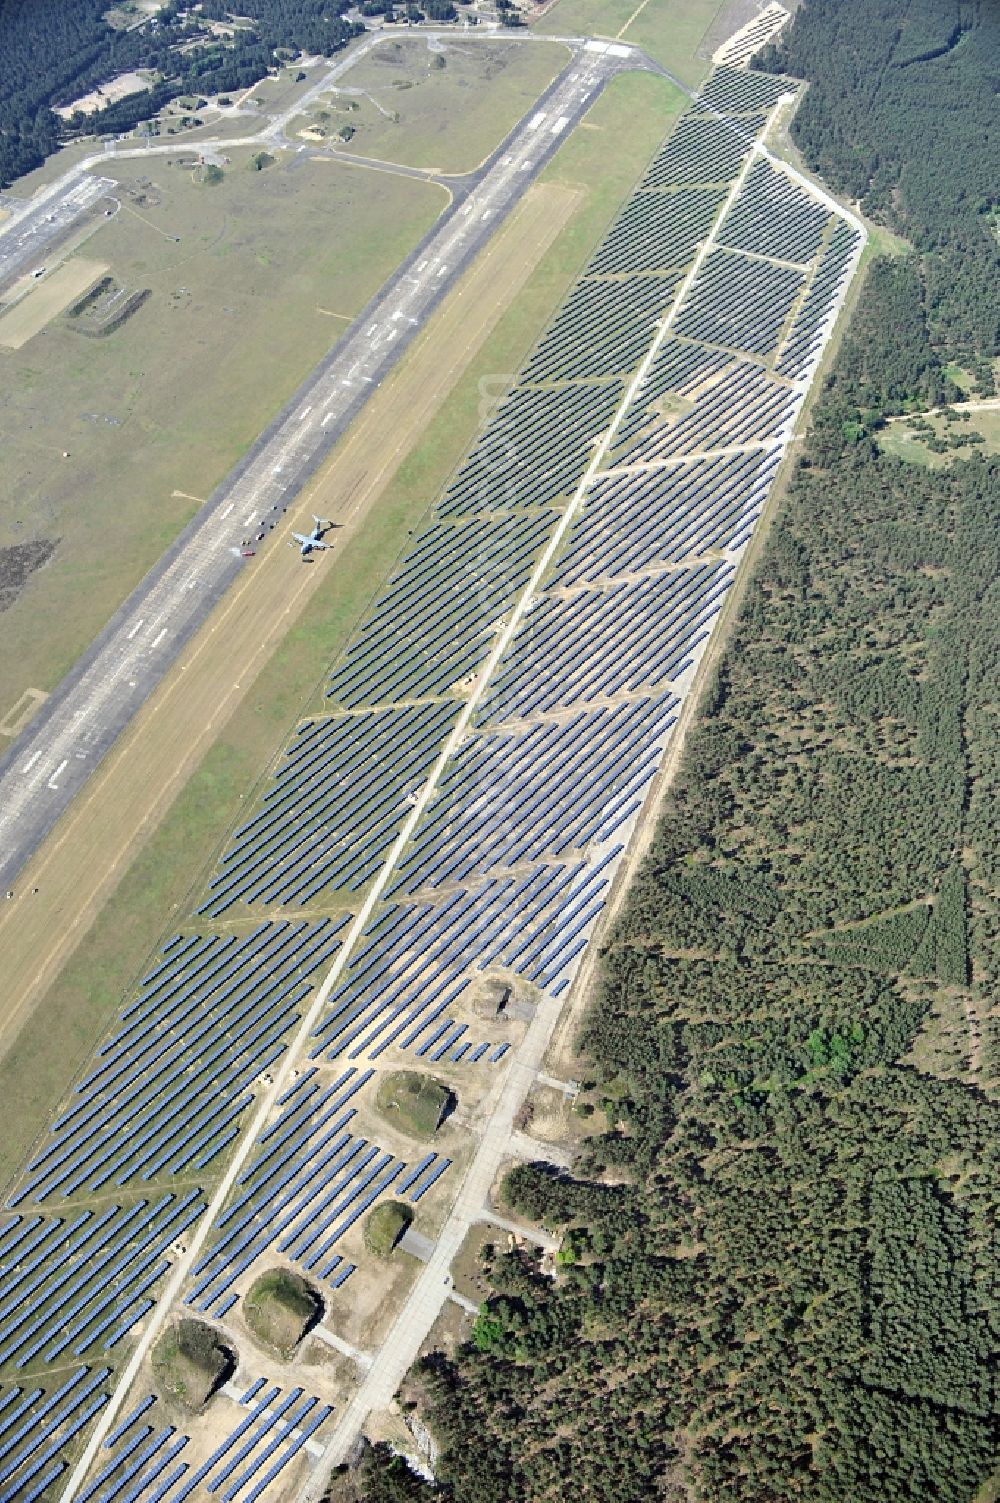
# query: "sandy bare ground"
[[109, 93], [988, 404], [88, 852]]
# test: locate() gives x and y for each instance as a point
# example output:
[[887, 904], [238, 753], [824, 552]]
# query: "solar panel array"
[[335, 806], [736, 92], [774, 217], [92, 1228], [147, 1460], [311, 1181], [170, 1087], [740, 48], [39, 1422], [508, 868], [79, 1284]]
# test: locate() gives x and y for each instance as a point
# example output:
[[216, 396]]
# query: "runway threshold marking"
[[21, 711]]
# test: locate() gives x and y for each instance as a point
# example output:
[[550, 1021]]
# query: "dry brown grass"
[[46, 300], [85, 856]]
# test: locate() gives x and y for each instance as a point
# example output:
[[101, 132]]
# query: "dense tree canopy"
[[778, 1279], [901, 113], [54, 51], [779, 1273]]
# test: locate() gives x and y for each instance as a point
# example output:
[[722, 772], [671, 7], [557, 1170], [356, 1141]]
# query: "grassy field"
[[385, 1225], [904, 442], [268, 268], [88, 853], [272, 95], [680, 34], [412, 1102], [961, 378], [153, 868], [442, 105]]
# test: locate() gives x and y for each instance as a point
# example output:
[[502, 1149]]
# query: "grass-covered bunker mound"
[[281, 1308], [386, 1225], [190, 1363], [416, 1104]]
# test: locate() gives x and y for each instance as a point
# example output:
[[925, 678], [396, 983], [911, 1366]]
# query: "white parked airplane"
[[314, 540]]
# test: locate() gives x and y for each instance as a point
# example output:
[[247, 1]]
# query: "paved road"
[[63, 744], [433, 1285]]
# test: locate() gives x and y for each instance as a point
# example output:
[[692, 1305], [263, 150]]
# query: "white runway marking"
[[158, 639], [226, 511], [59, 769], [136, 627], [31, 761]]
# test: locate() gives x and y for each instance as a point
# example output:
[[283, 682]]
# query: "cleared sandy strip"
[[90, 849], [46, 299], [740, 47]]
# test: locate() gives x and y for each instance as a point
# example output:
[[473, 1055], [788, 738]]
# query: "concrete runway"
[[34, 228], [63, 744]]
